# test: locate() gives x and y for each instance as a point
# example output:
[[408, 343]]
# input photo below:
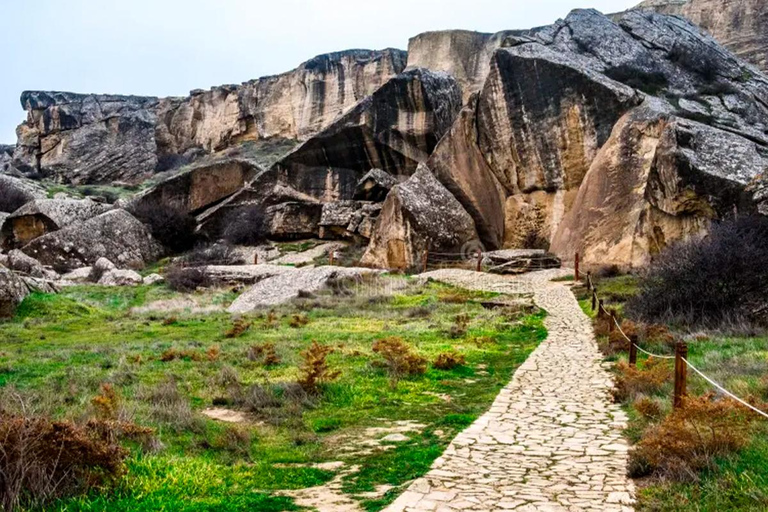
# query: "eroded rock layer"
[[79, 138]]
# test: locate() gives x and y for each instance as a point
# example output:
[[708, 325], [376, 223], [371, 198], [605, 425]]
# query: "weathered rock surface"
[[26, 189], [739, 25], [79, 138], [120, 277], [6, 158], [463, 54], [42, 216], [519, 152], [14, 288], [20, 262], [200, 187], [660, 178], [287, 285], [293, 220], [232, 275], [419, 213], [349, 219], [115, 235], [374, 186]]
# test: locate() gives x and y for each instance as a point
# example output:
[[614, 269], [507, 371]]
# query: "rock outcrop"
[[85, 138], [739, 25], [42, 216], [419, 214], [521, 149], [115, 235], [14, 288], [520, 261]]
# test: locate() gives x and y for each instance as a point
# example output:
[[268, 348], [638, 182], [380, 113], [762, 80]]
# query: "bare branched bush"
[[632, 382], [691, 438], [41, 460], [314, 370], [721, 278], [186, 279], [460, 326], [246, 226], [239, 327], [265, 354], [170, 407]]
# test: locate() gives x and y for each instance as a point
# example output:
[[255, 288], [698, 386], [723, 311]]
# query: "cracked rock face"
[[548, 108], [419, 213], [741, 26], [115, 235], [87, 138]]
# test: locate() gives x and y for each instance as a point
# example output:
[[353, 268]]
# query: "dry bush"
[[454, 296], [483, 341], [279, 404], [107, 403], [707, 282], [272, 321], [399, 358], [648, 408], [689, 439], [235, 440], [264, 354], [214, 254], [186, 279], [171, 226], [460, 326], [634, 381], [213, 353], [239, 326], [246, 226], [171, 320], [449, 360], [173, 354], [420, 312], [314, 369], [299, 321], [41, 460]]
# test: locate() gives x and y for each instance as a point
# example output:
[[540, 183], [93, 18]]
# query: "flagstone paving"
[[552, 439]]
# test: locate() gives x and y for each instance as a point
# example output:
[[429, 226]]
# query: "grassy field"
[[168, 367], [738, 482]]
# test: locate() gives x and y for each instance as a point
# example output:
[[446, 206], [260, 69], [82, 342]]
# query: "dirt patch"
[[225, 415]]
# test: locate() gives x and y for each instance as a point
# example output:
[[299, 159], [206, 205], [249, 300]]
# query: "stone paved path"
[[552, 439]]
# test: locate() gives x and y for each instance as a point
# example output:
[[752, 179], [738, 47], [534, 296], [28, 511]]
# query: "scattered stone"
[[118, 277], [153, 279]]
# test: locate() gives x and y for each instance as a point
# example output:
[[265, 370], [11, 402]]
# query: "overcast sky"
[[168, 47]]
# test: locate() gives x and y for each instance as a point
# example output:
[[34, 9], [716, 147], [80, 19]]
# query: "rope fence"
[[681, 354]]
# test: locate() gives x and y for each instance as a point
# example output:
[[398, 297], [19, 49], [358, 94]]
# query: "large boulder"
[[42, 216], [374, 186], [115, 235], [659, 178], [20, 262], [12, 292], [86, 138], [349, 219], [419, 214], [15, 192], [200, 187]]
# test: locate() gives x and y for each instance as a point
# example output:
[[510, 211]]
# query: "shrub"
[[246, 226], [314, 370], [271, 321], [171, 226], [634, 381], [170, 407], [213, 353], [299, 321], [41, 460], [460, 326], [183, 279], [483, 341], [264, 354], [11, 199], [689, 439], [648, 408], [709, 281], [238, 328], [214, 254], [399, 358], [107, 403], [279, 404], [449, 360]]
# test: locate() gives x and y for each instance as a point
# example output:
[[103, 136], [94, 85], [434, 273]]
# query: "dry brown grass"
[[449, 360], [648, 408], [460, 326], [298, 320], [107, 403], [688, 440], [239, 327], [264, 354], [631, 382]]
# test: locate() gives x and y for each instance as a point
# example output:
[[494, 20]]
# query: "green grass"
[[59, 350], [735, 483]]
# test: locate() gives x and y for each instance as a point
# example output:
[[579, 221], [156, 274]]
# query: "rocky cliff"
[[78, 138], [741, 26]]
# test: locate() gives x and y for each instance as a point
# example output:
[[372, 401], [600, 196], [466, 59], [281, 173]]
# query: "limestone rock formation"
[[660, 178], [521, 149], [115, 235], [419, 214], [42, 216], [463, 54], [20, 262], [16, 191], [374, 186], [12, 292], [519, 261], [86, 138], [739, 25], [349, 219], [6, 157]]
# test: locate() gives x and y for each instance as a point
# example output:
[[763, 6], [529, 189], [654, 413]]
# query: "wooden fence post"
[[576, 276], [681, 373], [633, 350], [589, 280], [594, 298], [256, 258], [479, 260], [600, 309], [330, 258]]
